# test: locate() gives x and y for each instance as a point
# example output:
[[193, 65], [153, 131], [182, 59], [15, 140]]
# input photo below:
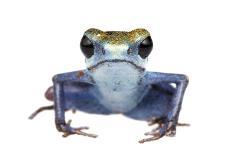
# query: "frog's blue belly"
[[85, 97], [118, 86], [120, 101], [89, 98]]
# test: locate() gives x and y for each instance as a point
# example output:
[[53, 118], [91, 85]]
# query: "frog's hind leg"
[[82, 97], [49, 96], [51, 107], [155, 103], [77, 99]]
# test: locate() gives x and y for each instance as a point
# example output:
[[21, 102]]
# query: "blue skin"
[[91, 90]]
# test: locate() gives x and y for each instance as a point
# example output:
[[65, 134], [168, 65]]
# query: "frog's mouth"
[[116, 61]]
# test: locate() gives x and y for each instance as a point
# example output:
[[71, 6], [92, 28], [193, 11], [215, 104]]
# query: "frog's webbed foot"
[[68, 130], [164, 128]]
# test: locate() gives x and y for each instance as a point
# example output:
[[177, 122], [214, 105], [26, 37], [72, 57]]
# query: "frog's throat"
[[141, 69]]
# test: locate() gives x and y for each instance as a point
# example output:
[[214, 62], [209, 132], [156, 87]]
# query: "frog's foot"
[[68, 130], [164, 128]]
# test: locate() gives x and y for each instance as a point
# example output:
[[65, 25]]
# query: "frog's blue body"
[[84, 95], [116, 81]]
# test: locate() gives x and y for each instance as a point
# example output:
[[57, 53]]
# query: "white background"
[[41, 38]]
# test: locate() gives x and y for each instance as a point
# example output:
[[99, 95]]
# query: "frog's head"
[[116, 62], [113, 47]]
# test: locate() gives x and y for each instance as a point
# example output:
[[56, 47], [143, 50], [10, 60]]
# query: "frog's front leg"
[[60, 103], [167, 125]]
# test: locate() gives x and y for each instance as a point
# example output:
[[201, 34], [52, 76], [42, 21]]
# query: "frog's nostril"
[[129, 51]]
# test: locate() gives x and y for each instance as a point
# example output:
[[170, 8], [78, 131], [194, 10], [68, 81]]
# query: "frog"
[[116, 82]]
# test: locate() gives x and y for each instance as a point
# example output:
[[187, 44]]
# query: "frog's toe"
[[154, 137], [156, 133], [35, 113], [79, 131], [163, 128], [68, 130]]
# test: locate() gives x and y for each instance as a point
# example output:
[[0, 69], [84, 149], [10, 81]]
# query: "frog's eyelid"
[[92, 32], [139, 34]]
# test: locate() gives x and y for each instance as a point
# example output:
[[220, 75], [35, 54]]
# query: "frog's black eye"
[[145, 47], [87, 47]]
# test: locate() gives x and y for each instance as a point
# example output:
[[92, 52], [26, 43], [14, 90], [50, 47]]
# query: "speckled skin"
[[116, 81]]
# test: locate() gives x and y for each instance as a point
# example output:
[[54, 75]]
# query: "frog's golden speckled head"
[[131, 47], [117, 37]]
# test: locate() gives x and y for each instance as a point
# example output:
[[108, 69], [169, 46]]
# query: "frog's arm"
[[58, 83], [181, 82], [77, 76]]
